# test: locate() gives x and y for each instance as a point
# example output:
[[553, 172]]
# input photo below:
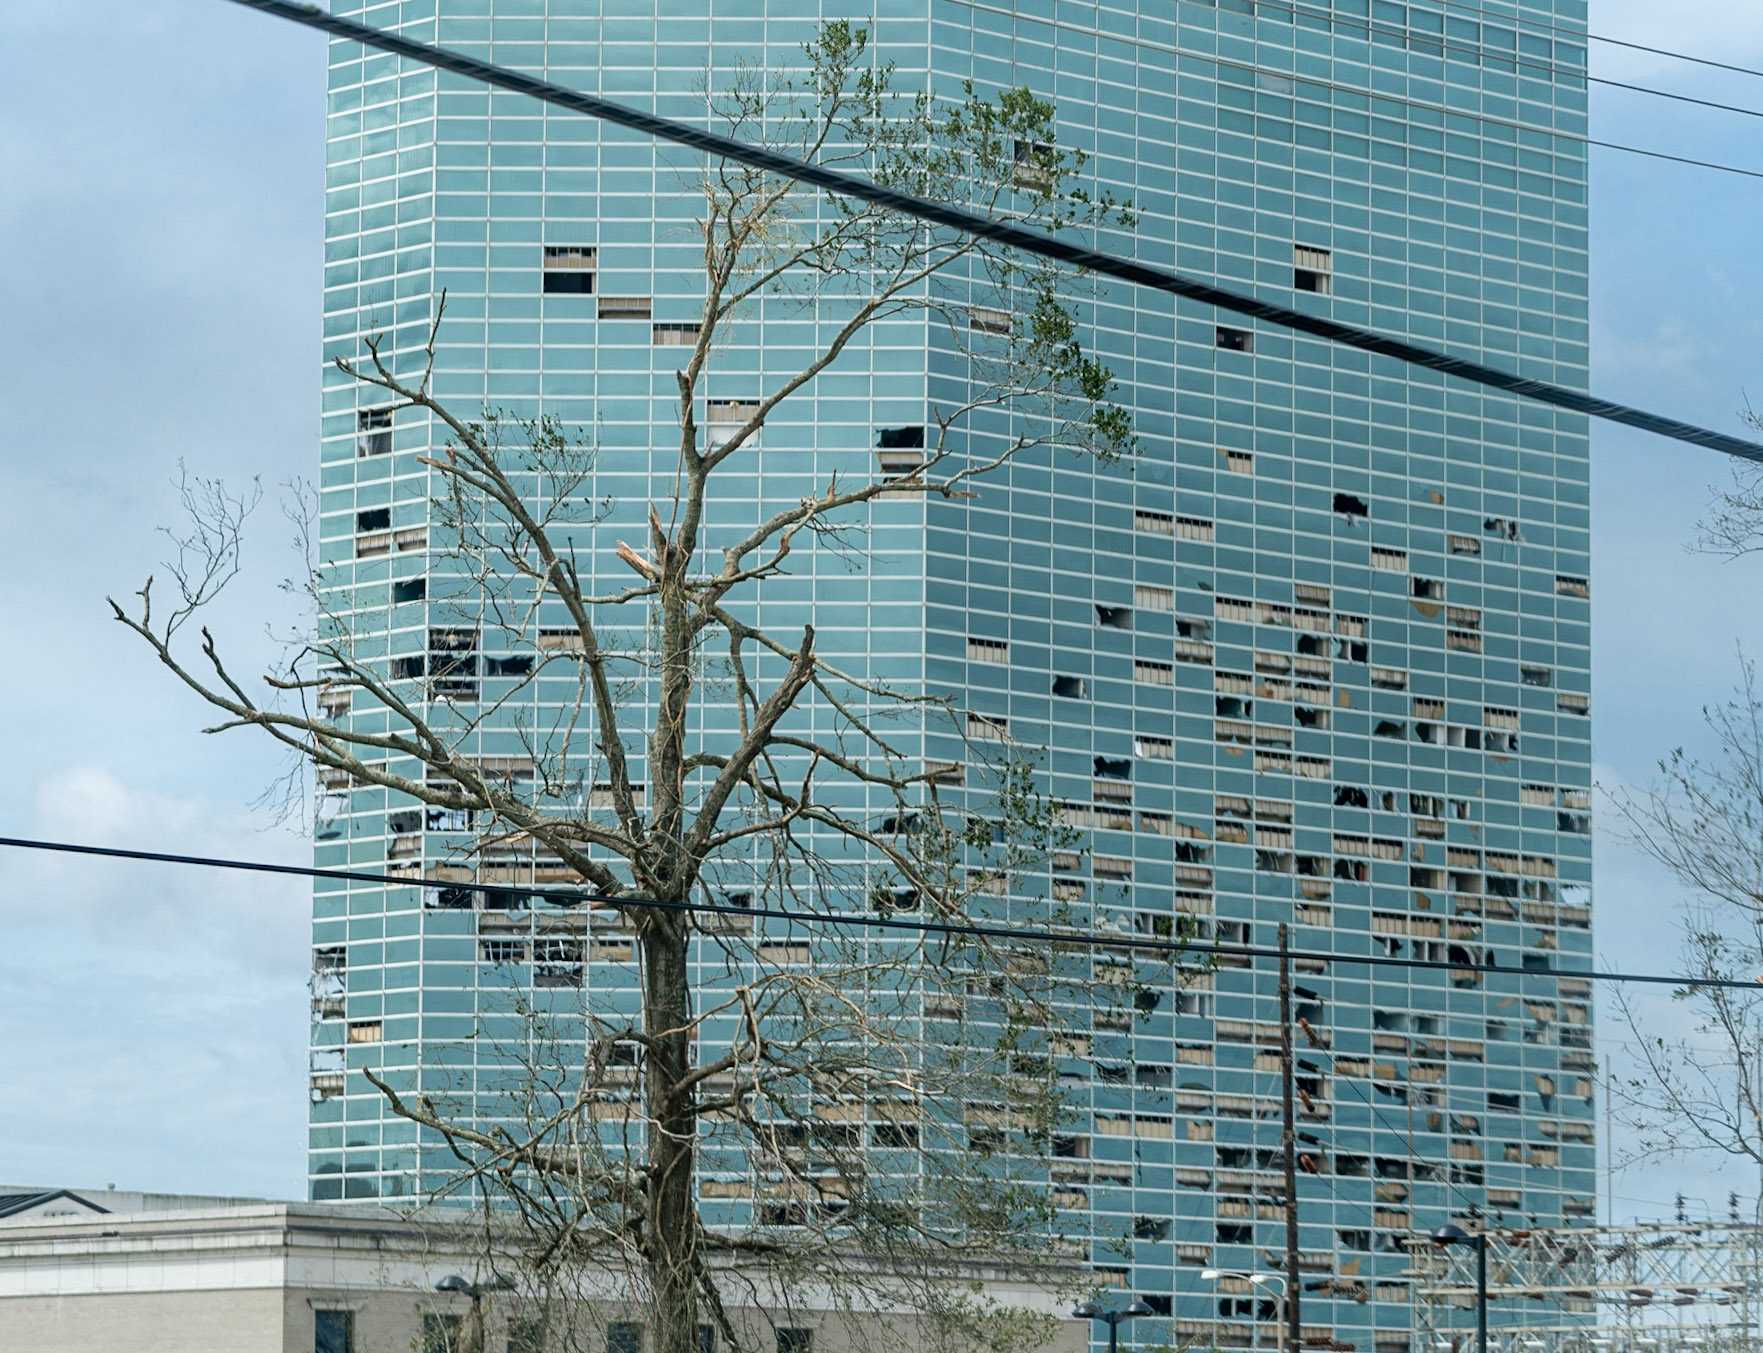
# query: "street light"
[[471, 1337], [1212, 1275], [1089, 1310], [1452, 1234]]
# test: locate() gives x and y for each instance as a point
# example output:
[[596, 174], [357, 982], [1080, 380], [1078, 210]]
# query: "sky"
[[161, 231]]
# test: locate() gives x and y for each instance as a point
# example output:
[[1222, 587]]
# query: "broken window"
[[1567, 586], [624, 307], [453, 663], [1154, 748], [1114, 617], [901, 438], [374, 519], [988, 319], [1234, 340], [569, 269], [1035, 164], [988, 727], [1429, 589], [519, 666], [1145, 670], [1070, 687], [365, 1031], [1157, 523], [987, 650], [1349, 505], [723, 418], [1114, 767], [1152, 598], [1463, 544], [374, 427], [557, 962], [1500, 526], [409, 589], [1312, 269], [409, 668], [667, 335], [1535, 676], [1390, 561], [1570, 702]]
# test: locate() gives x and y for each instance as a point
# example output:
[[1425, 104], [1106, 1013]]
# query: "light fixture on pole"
[[1090, 1310], [471, 1335], [1452, 1234], [1212, 1275]]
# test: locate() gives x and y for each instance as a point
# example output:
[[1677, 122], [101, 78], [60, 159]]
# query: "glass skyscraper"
[[1318, 654]]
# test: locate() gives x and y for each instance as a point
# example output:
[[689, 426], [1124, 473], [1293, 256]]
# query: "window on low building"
[[440, 1332], [333, 1331]]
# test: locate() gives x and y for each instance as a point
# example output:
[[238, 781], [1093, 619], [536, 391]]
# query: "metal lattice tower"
[[1651, 1288]]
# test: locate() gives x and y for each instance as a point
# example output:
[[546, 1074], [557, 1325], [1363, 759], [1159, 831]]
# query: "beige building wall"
[[250, 1279]]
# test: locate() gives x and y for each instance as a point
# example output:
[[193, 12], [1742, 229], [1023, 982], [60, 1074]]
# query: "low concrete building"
[[253, 1277]]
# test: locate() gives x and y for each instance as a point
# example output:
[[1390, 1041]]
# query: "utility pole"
[[1290, 1140]]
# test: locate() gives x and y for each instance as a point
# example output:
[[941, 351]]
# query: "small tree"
[[892, 1107], [1702, 821]]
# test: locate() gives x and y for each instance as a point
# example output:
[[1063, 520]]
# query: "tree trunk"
[[672, 1221]]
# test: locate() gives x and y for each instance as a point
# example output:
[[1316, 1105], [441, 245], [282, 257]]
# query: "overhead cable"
[[1357, 91], [1007, 233], [1051, 935]]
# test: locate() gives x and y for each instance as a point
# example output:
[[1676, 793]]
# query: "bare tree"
[[1699, 1090], [863, 1124]]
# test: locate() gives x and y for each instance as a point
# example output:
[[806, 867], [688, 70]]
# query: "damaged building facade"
[[1318, 654]]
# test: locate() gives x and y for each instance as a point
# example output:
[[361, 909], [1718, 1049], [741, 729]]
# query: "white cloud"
[[157, 1012]]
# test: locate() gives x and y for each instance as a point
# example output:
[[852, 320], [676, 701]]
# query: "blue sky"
[[161, 229]]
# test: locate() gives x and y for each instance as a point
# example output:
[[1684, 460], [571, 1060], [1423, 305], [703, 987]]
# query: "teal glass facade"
[[1319, 654]]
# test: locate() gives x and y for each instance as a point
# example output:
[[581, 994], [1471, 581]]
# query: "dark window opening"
[[404, 821], [333, 1332], [1070, 687], [374, 519], [900, 439], [408, 669], [1234, 340], [410, 589], [1312, 269], [1159, 1302], [1114, 617], [1150, 1228], [1349, 505], [508, 667], [375, 427], [1114, 767], [569, 269], [1351, 796], [450, 899]]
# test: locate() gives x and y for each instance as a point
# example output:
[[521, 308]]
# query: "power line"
[[1480, 50], [1006, 233], [1547, 26], [1359, 91], [1088, 939]]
